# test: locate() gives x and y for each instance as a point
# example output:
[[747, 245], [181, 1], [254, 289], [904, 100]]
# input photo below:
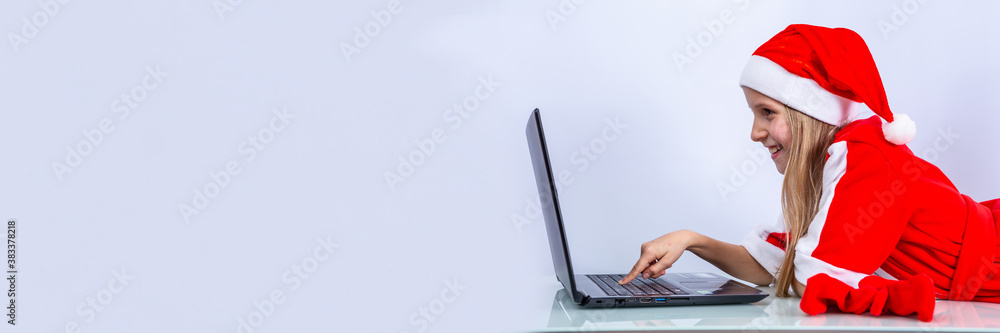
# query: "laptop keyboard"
[[638, 287]]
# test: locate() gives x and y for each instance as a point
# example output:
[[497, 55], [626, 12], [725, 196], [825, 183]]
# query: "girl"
[[865, 225]]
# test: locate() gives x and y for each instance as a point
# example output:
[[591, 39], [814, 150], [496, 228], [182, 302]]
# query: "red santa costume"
[[883, 211]]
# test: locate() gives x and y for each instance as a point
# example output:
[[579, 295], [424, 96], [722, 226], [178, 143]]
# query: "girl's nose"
[[757, 134]]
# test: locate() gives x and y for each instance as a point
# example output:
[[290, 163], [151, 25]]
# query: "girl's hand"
[[659, 254]]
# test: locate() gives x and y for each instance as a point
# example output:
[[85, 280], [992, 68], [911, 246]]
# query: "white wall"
[[323, 175]]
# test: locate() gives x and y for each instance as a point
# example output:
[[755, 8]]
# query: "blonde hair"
[[803, 185]]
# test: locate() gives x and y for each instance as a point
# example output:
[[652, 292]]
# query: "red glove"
[[915, 295], [822, 289], [873, 294]]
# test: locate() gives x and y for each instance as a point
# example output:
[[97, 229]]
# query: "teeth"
[[774, 149]]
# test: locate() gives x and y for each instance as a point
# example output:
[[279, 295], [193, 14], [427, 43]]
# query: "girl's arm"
[[659, 254], [798, 287], [730, 258]]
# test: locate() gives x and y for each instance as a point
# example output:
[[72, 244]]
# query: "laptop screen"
[[548, 197]]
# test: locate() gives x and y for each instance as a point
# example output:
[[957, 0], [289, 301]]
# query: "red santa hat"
[[824, 73]]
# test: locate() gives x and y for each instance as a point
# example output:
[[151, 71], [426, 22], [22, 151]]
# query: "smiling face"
[[770, 126]]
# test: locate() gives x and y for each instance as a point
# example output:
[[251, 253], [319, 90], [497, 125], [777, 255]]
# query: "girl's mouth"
[[774, 151]]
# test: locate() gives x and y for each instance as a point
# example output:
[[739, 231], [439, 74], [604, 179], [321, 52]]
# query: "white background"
[[453, 218]]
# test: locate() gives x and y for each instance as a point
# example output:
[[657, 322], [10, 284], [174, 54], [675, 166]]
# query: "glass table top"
[[769, 314]]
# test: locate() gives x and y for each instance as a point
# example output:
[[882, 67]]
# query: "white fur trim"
[[769, 78], [806, 265], [766, 254], [901, 130], [885, 275]]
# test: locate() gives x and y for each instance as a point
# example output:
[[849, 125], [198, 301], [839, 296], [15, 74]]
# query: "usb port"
[[661, 300], [645, 300]]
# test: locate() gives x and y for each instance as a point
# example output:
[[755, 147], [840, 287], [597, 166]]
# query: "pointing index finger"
[[638, 268]]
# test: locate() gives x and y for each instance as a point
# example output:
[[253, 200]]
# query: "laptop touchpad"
[[704, 285]]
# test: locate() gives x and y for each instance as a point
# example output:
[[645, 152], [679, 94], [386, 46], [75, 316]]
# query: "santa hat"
[[824, 73]]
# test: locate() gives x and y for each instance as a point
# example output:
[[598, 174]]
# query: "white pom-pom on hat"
[[901, 130]]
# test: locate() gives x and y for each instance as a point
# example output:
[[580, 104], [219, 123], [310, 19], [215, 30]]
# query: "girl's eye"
[[768, 112]]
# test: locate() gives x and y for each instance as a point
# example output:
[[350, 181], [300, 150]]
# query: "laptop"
[[567, 314], [602, 290]]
